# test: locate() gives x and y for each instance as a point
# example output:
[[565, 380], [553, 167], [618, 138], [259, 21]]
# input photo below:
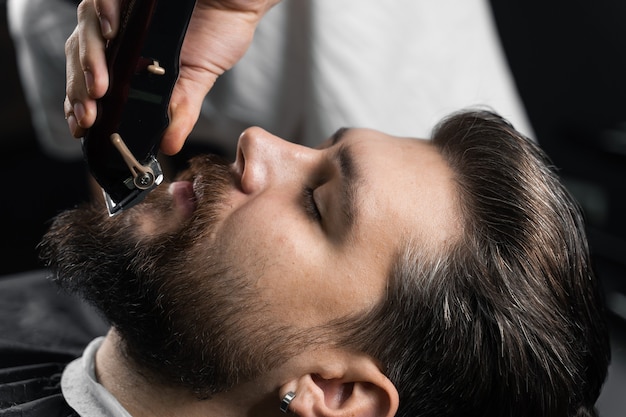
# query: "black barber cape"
[[41, 331]]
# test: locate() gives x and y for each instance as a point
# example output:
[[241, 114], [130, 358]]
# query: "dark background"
[[569, 62]]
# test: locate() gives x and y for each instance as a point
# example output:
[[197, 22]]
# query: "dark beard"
[[184, 316]]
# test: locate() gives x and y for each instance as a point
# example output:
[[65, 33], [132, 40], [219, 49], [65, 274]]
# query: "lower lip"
[[184, 198]]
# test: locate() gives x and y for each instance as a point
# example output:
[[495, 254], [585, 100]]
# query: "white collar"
[[83, 392]]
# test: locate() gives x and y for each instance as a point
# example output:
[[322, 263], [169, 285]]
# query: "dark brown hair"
[[508, 320]]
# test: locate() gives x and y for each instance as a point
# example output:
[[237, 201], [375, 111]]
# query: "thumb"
[[184, 110]]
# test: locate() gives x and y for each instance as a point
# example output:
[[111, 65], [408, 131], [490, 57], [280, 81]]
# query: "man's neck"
[[140, 397]]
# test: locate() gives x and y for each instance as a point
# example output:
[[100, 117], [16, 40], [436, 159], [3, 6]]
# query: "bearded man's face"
[[231, 269]]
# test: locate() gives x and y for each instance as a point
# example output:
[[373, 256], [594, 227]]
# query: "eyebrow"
[[350, 178], [338, 135]]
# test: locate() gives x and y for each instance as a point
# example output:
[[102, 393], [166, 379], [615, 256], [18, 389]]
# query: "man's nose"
[[266, 160]]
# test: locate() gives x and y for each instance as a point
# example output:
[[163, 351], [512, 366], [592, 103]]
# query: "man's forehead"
[[408, 187]]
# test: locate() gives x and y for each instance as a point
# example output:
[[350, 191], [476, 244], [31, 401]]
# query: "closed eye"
[[310, 206]]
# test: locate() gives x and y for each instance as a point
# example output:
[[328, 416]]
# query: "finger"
[[184, 109], [79, 107], [75, 89], [182, 120], [72, 124], [86, 72], [91, 48], [108, 12]]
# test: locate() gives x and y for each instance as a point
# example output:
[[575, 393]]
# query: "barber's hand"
[[218, 35]]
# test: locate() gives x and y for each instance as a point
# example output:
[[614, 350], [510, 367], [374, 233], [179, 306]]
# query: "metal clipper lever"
[[143, 176]]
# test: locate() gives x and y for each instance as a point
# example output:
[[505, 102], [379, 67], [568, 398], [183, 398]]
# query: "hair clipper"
[[143, 60]]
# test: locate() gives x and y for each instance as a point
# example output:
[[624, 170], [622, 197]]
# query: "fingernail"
[[79, 111], [105, 27], [89, 81], [71, 123]]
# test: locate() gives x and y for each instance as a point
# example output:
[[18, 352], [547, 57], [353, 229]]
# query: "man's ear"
[[352, 387]]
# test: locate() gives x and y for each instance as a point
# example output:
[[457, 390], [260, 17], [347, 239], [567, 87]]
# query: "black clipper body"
[[121, 147]]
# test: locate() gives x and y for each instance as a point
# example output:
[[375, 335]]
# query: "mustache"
[[212, 178], [204, 165], [211, 175]]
